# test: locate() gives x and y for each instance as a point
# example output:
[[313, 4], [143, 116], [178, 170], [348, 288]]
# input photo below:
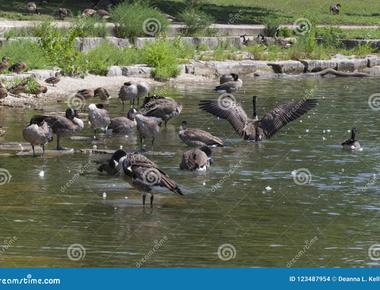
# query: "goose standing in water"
[[102, 93], [38, 134], [226, 78], [61, 126], [352, 143], [161, 107], [128, 92], [144, 173], [252, 128], [143, 90], [230, 86], [148, 127], [198, 137], [198, 159], [123, 125], [98, 117]]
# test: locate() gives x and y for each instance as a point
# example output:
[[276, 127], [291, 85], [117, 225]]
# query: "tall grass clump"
[[162, 56], [91, 26], [102, 57], [25, 51], [196, 21], [138, 19]]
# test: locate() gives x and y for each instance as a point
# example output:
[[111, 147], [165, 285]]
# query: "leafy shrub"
[[330, 36], [138, 19], [285, 32], [162, 56], [272, 27], [90, 26], [196, 21]]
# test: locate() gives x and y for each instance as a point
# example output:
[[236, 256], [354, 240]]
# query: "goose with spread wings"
[[253, 128]]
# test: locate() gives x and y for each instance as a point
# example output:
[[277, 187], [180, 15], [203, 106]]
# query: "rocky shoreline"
[[195, 71]]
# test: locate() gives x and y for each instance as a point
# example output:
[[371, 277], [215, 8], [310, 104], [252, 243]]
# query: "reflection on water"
[[248, 199]]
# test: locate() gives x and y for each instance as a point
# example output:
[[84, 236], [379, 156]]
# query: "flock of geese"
[[147, 119]]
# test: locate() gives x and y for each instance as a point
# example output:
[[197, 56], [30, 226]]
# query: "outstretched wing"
[[284, 114], [226, 108]]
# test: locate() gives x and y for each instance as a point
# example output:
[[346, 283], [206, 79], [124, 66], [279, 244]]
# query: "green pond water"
[[248, 205]]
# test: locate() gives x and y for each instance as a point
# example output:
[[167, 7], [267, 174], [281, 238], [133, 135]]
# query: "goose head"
[[235, 76], [208, 152], [183, 125], [116, 159], [131, 114]]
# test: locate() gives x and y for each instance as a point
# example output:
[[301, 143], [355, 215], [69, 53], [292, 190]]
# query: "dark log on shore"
[[331, 71]]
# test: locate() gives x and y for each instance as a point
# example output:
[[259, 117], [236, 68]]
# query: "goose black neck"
[[353, 134], [254, 113]]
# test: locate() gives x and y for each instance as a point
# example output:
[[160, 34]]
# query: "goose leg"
[[34, 154], [43, 150], [143, 199], [141, 143], [151, 200], [152, 144], [166, 122], [58, 145]]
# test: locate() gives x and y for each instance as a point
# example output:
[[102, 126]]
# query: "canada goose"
[[98, 117], [38, 134], [54, 80], [103, 13], [60, 125], [251, 128], [161, 107], [18, 67], [197, 137], [102, 93], [226, 78], [196, 159], [352, 143], [18, 88], [3, 91], [128, 92], [63, 12], [39, 90], [143, 90], [335, 9], [230, 86], [4, 63], [148, 127], [123, 125], [144, 174], [88, 12], [84, 94], [31, 7]]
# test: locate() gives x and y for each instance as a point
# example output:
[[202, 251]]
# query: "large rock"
[[287, 67], [88, 43], [350, 65], [42, 74], [118, 42], [312, 65], [115, 71], [138, 70], [373, 60], [373, 71]]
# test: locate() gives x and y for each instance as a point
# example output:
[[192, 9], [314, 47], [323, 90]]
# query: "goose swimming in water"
[[352, 143], [123, 125], [226, 78], [161, 107], [61, 126], [144, 173], [38, 134], [102, 93], [230, 86], [252, 128], [197, 137], [198, 159], [143, 90]]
